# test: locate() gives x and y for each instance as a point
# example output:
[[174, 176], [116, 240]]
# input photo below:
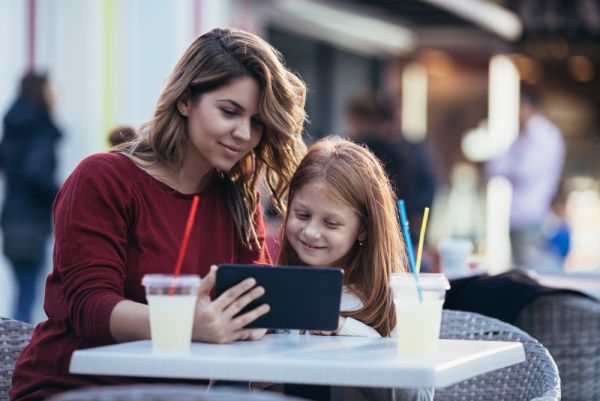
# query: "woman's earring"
[[360, 243]]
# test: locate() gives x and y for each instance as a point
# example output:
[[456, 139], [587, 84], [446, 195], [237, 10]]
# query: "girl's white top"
[[353, 327]]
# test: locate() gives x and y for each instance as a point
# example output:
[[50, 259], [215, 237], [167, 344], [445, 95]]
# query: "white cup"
[[455, 255], [172, 304], [418, 320]]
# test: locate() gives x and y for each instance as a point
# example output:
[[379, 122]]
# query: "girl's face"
[[223, 125], [321, 230]]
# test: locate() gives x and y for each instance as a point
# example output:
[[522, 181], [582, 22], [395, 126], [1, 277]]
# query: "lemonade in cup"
[[172, 304], [418, 321]]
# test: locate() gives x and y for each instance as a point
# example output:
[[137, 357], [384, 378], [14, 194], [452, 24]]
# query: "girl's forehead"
[[313, 191]]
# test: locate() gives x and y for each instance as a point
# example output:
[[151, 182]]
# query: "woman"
[[229, 114]]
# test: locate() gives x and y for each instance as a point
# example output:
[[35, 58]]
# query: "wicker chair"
[[535, 379], [14, 336], [569, 327], [166, 392]]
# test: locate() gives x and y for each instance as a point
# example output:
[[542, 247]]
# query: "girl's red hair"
[[354, 176]]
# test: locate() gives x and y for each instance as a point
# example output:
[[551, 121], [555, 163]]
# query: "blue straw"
[[409, 247]]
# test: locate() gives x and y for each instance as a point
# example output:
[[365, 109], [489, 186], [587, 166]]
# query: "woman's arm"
[[214, 321], [130, 321]]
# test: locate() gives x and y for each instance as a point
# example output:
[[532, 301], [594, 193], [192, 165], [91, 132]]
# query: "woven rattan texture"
[[158, 392], [569, 327], [14, 336], [535, 379]]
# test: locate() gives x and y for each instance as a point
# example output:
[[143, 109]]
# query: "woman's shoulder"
[[105, 163], [106, 169]]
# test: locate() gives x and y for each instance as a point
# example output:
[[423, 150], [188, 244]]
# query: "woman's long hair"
[[354, 176], [212, 61]]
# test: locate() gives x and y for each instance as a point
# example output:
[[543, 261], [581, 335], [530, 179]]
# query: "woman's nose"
[[243, 130]]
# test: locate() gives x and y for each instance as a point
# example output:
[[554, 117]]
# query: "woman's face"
[[322, 230], [223, 125]]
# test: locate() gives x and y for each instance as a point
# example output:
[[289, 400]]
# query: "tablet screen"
[[300, 297]]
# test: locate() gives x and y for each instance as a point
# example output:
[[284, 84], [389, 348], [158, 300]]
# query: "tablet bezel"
[[300, 297]]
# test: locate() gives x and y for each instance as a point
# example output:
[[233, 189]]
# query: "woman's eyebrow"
[[233, 103]]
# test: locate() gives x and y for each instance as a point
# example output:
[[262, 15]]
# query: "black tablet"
[[300, 297]]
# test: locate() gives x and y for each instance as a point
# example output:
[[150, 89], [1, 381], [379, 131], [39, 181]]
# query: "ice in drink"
[[418, 321], [172, 304]]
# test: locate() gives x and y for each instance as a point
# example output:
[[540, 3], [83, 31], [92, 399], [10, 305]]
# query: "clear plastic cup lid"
[[161, 280], [427, 281]]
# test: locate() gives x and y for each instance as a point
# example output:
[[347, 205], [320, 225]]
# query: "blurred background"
[[445, 74]]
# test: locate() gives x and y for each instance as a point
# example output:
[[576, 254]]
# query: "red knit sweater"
[[113, 223]]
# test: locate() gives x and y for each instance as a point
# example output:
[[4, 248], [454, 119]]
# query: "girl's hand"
[[341, 322], [216, 321]]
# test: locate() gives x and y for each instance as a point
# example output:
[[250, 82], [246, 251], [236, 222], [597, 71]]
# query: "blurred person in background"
[[533, 164], [120, 134], [28, 160], [370, 120], [556, 231]]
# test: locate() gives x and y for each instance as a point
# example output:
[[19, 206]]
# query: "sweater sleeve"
[[92, 217]]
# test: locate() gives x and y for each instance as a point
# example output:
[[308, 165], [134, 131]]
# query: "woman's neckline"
[[211, 184]]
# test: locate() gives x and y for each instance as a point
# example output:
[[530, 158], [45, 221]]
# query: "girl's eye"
[[301, 215], [332, 224]]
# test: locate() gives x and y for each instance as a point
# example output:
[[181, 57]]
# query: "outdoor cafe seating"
[[535, 379], [569, 327], [166, 392], [14, 336]]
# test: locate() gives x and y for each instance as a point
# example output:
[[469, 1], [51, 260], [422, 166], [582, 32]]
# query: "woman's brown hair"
[[212, 61], [354, 176]]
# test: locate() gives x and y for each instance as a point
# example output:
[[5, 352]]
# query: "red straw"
[[184, 243]]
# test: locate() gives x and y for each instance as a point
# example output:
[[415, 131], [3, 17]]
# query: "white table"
[[315, 360]]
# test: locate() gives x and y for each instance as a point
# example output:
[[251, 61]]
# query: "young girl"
[[342, 212], [229, 113]]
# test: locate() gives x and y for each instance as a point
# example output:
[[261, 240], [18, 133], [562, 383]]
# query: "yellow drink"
[[418, 325], [172, 305], [171, 321], [418, 320]]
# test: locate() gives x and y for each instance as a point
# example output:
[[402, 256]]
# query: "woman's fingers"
[[233, 293], [248, 317], [208, 282], [241, 302], [257, 334]]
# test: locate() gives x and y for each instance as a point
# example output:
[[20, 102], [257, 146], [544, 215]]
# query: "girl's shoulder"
[[350, 301]]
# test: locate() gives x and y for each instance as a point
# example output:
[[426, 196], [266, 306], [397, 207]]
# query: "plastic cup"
[[172, 303], [455, 255], [418, 322]]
